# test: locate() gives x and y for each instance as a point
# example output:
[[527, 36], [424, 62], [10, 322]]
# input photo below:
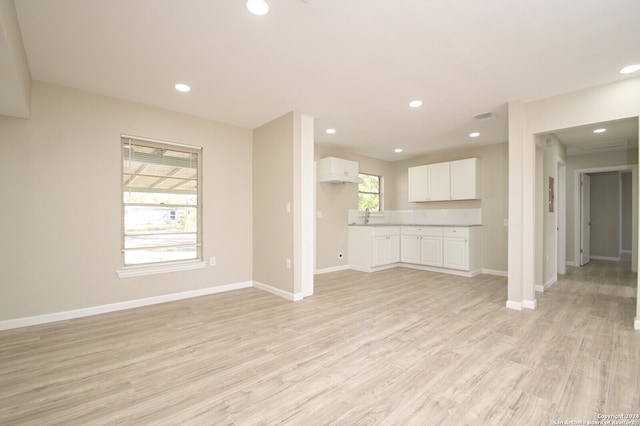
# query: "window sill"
[[137, 271]]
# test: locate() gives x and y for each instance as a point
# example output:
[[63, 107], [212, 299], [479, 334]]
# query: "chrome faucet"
[[366, 215]]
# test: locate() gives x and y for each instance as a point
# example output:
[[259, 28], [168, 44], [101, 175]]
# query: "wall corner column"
[[521, 239], [304, 202]]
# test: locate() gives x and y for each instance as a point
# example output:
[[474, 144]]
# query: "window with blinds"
[[161, 202]]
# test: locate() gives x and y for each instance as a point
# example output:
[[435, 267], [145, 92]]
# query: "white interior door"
[[585, 219]]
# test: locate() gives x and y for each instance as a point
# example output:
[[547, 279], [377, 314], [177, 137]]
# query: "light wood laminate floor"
[[395, 347]]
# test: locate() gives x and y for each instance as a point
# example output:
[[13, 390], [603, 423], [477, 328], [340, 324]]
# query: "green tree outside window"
[[369, 193]]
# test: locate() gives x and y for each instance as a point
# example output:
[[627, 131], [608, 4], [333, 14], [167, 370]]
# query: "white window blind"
[[161, 202]]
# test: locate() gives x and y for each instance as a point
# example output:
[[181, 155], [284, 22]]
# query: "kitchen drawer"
[[456, 232], [384, 231], [428, 231]]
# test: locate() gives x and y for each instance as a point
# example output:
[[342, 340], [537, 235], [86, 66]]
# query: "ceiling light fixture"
[[415, 104], [602, 130], [181, 87], [331, 131], [474, 134], [397, 150], [257, 7], [629, 69]]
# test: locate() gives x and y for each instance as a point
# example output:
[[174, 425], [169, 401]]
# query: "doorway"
[[605, 234]]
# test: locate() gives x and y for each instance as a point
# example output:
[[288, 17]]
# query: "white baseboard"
[[494, 272], [614, 259], [332, 269], [542, 288], [514, 305], [374, 269], [636, 324], [571, 263], [550, 282], [468, 274], [119, 306], [294, 297], [518, 306]]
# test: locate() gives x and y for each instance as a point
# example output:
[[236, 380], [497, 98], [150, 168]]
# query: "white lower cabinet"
[[456, 253], [373, 246], [386, 250], [442, 247], [439, 248], [421, 245], [431, 251]]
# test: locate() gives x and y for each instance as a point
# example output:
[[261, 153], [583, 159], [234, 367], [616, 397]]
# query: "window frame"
[[379, 193], [161, 266]]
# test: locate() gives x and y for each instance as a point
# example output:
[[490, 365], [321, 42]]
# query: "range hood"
[[339, 178], [338, 170]]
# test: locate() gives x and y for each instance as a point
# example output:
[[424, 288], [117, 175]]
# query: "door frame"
[[561, 217], [585, 215], [577, 211]]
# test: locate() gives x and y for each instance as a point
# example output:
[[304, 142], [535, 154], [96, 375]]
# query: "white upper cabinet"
[[429, 183], [338, 170], [439, 180], [465, 182], [419, 183], [455, 180]]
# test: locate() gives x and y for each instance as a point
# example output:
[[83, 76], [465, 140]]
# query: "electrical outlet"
[[212, 261], [287, 263]]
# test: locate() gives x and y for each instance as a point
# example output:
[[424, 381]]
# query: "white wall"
[[334, 200], [60, 183], [554, 152], [603, 103], [494, 169], [586, 162], [605, 215], [283, 199], [273, 231], [626, 194]]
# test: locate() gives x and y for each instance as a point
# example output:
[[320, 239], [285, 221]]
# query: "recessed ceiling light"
[[397, 150], [602, 130], [474, 134], [331, 131], [629, 69], [415, 104], [257, 7], [182, 87]]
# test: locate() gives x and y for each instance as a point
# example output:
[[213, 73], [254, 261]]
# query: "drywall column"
[[521, 239], [303, 203], [273, 230], [283, 216]]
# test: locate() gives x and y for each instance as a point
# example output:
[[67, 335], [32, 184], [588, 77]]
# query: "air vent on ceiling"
[[485, 116]]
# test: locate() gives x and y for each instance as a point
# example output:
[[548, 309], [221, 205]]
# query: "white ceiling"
[[352, 64], [618, 134]]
